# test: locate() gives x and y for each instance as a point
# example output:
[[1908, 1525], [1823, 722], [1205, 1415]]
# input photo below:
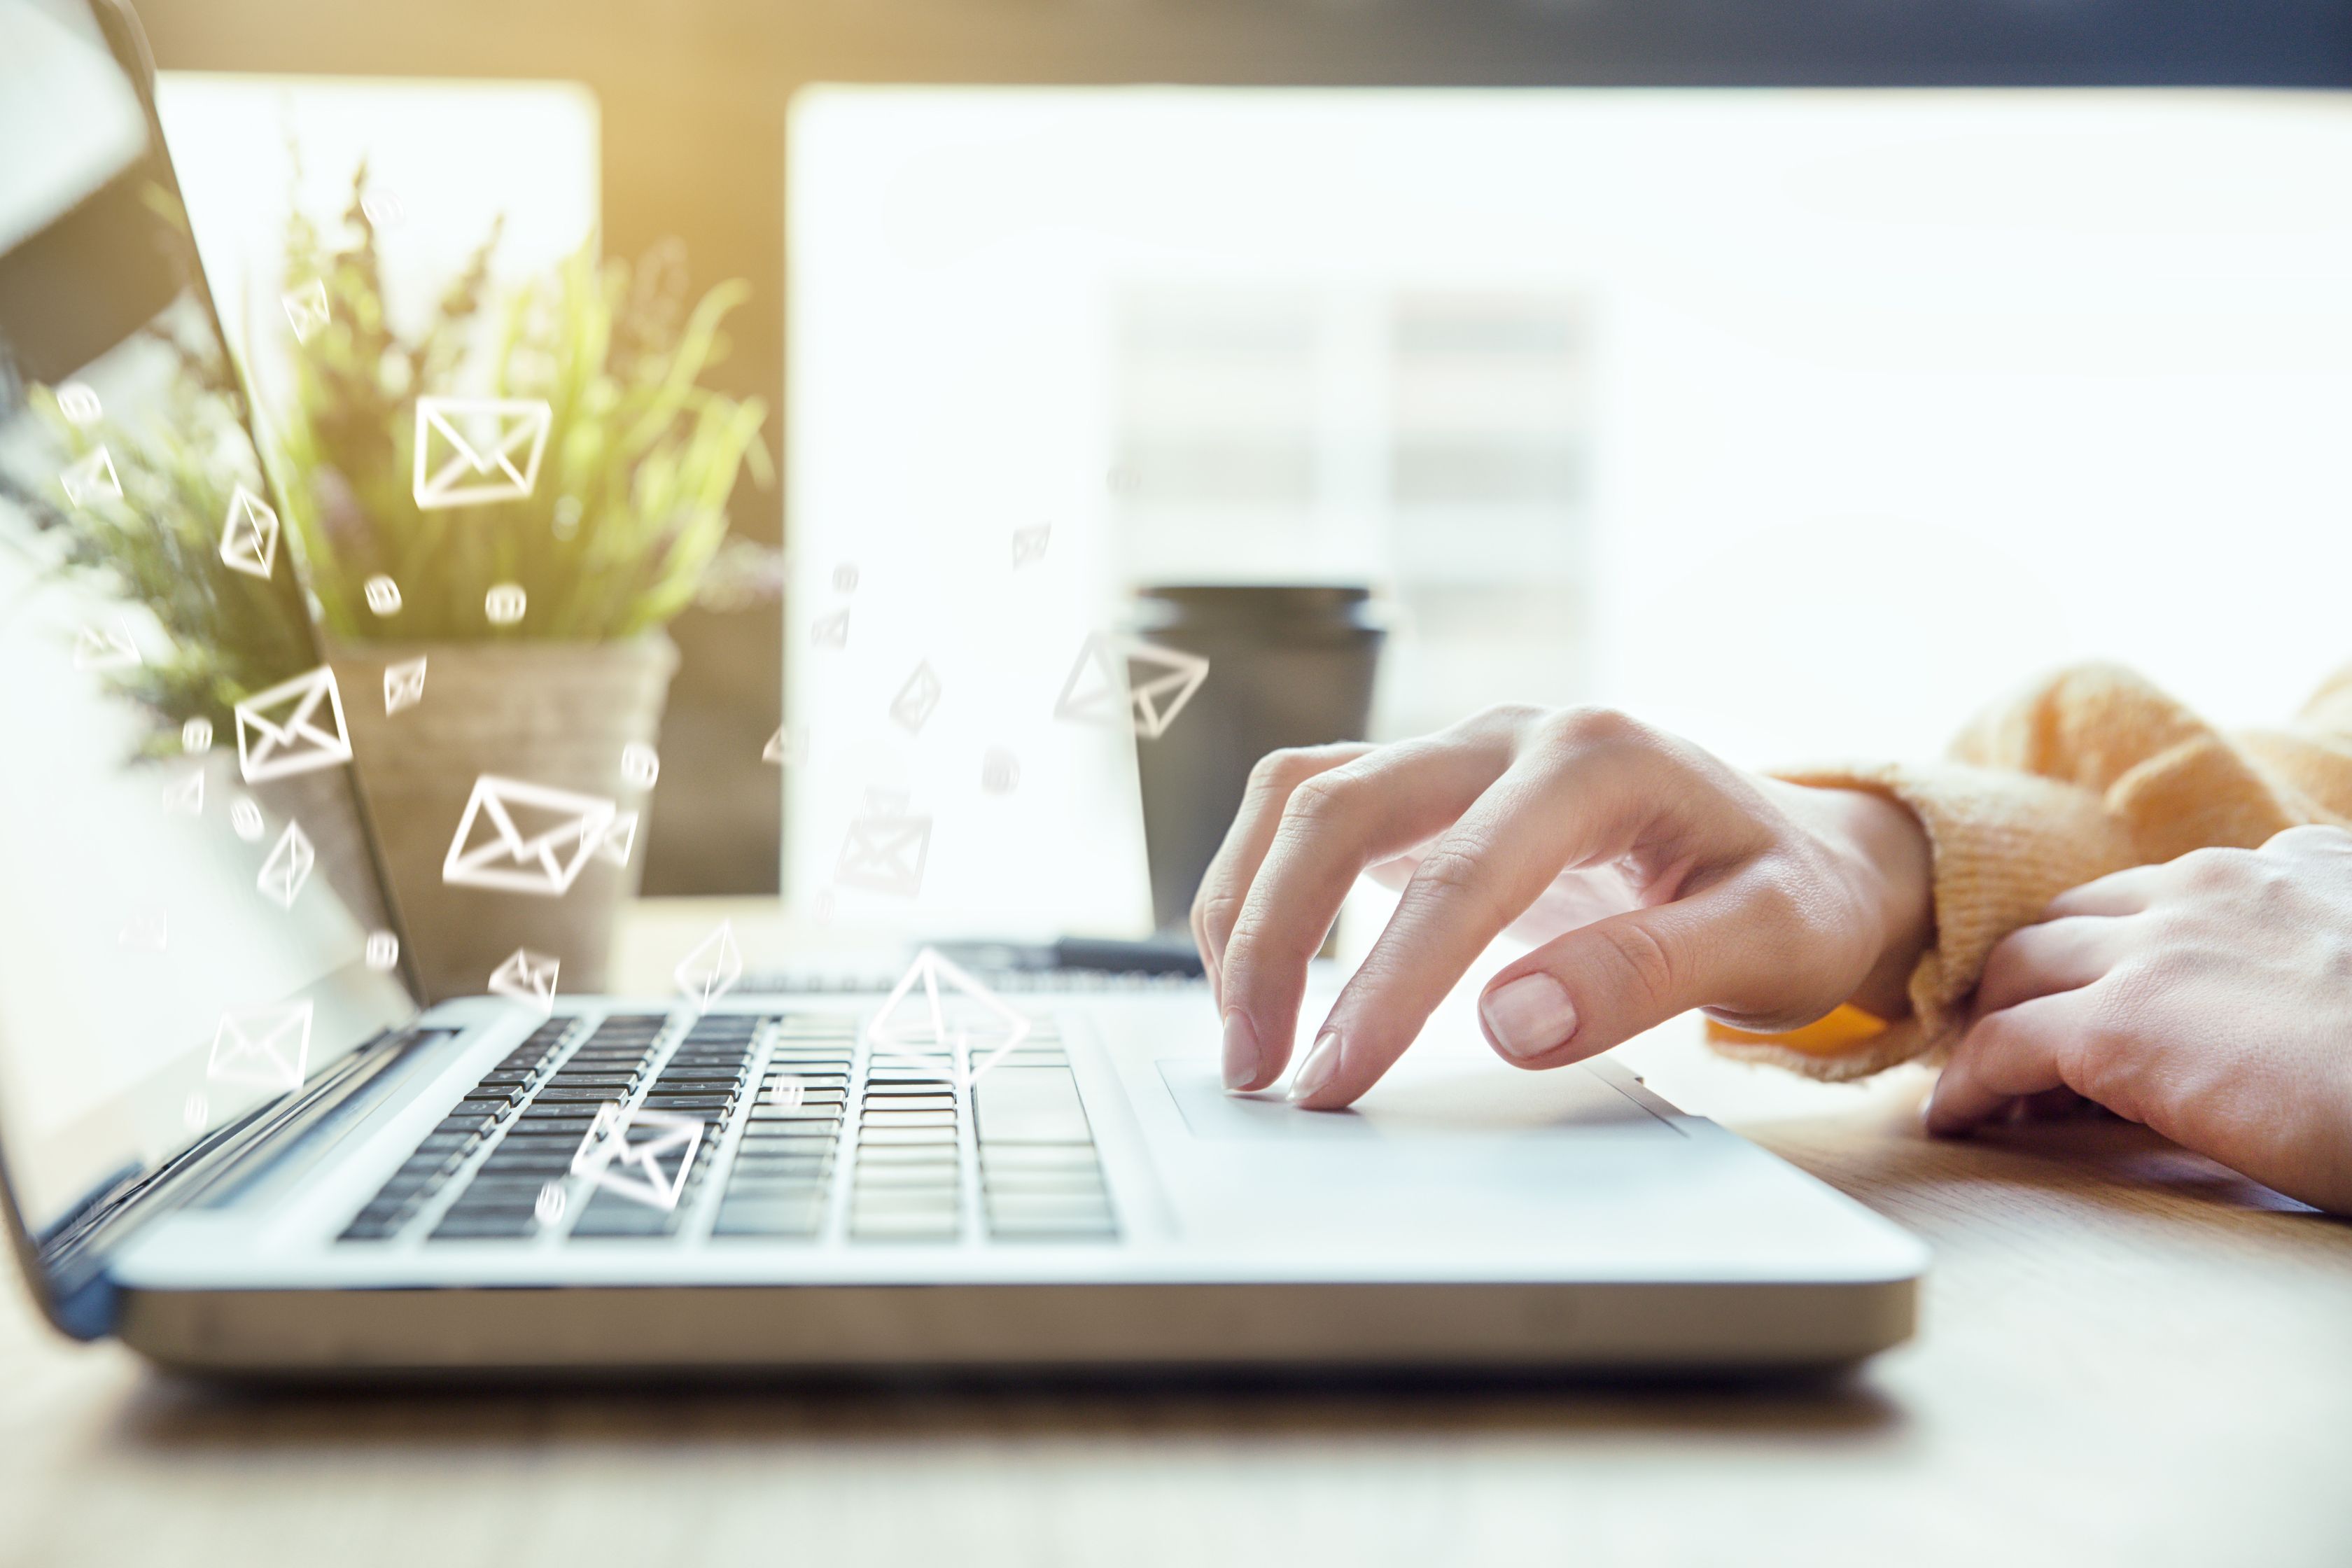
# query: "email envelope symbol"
[[289, 867], [642, 1155], [306, 309], [471, 450], [619, 841], [249, 536], [295, 727], [1129, 684], [92, 476], [830, 631], [711, 970], [885, 853], [404, 685], [916, 700], [112, 648], [1029, 543], [527, 976], [265, 1047], [954, 1026], [519, 837]]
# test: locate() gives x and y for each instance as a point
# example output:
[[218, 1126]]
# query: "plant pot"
[[546, 713]]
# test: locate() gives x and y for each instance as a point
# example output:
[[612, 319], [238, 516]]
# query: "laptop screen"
[[191, 921]]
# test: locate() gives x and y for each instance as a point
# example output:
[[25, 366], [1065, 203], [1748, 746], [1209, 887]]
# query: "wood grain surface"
[[2128, 1356]]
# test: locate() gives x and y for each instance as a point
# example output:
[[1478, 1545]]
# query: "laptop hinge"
[[80, 1298]]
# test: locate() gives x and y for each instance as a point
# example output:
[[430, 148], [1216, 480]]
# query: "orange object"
[[1841, 1031]]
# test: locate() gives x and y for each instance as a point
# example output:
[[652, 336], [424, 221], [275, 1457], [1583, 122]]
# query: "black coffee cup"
[[1288, 667]]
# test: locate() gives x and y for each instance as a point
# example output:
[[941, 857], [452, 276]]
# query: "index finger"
[[1546, 811], [1226, 883]]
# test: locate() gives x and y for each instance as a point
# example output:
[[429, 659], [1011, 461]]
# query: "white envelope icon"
[[306, 309], [112, 648], [92, 476], [830, 631], [1029, 543], [957, 1036], [1134, 685], [520, 837], [527, 976], [711, 970], [885, 853], [786, 748], [620, 838], [916, 700], [288, 866], [249, 537], [650, 1169], [267, 1046], [295, 727], [403, 686], [471, 450], [186, 794]]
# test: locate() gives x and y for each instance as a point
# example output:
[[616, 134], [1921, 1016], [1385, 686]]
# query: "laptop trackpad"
[[1439, 1099]]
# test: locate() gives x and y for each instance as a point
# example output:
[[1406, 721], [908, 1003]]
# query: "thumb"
[[1602, 984]]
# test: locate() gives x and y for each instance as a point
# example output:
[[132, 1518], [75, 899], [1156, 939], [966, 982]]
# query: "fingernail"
[[1530, 1015], [1240, 1050], [1321, 1066]]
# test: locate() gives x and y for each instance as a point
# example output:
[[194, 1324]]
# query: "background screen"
[[189, 898]]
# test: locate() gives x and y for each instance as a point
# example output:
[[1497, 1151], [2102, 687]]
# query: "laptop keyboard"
[[786, 1103]]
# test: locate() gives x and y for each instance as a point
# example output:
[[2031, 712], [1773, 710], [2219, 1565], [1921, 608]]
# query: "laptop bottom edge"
[[328, 1335]]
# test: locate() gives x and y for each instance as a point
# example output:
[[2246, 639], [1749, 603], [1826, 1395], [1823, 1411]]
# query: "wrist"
[[1895, 869]]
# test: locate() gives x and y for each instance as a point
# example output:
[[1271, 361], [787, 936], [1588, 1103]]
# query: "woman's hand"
[[1674, 880], [2210, 998]]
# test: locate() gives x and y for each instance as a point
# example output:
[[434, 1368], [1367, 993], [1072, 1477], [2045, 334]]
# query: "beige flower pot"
[[548, 713]]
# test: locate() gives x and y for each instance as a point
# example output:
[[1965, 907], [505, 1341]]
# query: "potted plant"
[[504, 619]]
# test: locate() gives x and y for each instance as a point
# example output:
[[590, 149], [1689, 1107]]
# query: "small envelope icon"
[[527, 976], [520, 837], [711, 970], [471, 450], [249, 537], [92, 476], [403, 686], [957, 1036], [885, 853], [1129, 684], [620, 838], [288, 866], [113, 648], [295, 727], [642, 1155], [916, 700], [266, 1047], [1029, 543], [787, 748], [306, 309], [185, 795], [830, 631]]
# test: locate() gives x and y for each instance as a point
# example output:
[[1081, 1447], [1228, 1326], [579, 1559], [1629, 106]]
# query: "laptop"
[[232, 1137]]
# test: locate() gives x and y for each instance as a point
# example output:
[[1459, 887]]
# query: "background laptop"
[[230, 1137]]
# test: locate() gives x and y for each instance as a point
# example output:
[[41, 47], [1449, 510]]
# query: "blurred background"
[[1798, 375]]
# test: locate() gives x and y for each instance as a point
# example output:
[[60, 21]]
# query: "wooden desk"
[[2129, 1356]]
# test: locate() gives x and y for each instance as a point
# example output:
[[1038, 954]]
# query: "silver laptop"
[[231, 1138]]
